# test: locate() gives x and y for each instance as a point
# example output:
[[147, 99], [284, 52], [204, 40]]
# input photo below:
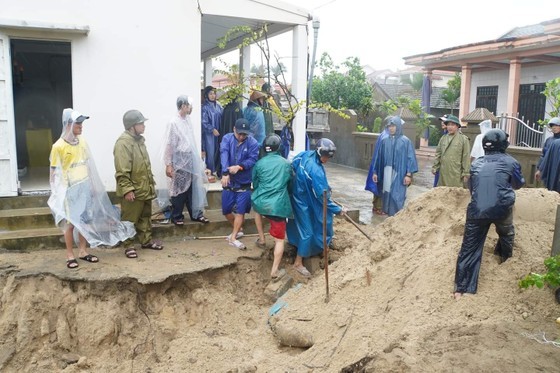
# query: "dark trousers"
[[179, 202], [470, 256]]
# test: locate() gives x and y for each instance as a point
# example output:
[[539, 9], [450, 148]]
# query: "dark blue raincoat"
[[493, 179], [305, 231], [549, 163], [396, 159], [370, 185]]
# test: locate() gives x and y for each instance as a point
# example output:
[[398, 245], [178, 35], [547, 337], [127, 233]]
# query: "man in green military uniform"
[[452, 155], [135, 181], [271, 176]]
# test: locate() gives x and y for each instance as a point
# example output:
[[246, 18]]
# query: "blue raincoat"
[[396, 159], [305, 231], [549, 163], [370, 185], [255, 116], [211, 120]]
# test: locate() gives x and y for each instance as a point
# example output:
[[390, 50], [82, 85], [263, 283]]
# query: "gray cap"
[[132, 117], [554, 122]]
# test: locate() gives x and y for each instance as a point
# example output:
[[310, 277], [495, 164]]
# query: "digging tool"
[[353, 222], [325, 246]]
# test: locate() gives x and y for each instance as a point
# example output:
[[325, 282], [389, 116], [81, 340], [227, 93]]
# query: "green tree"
[[452, 92], [343, 86], [417, 81], [552, 93]]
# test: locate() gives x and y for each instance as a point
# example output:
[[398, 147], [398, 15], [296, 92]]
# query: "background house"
[[104, 58]]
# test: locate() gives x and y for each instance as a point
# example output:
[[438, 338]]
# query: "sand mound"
[[390, 308], [407, 320]]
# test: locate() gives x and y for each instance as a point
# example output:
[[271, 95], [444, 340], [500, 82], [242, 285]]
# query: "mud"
[[390, 306]]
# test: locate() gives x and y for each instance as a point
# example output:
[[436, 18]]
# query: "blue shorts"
[[236, 202]]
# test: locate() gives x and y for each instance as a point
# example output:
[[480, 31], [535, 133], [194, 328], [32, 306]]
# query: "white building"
[[106, 57]]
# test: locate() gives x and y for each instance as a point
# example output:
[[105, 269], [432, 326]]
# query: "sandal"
[[152, 246], [303, 271], [279, 274], [380, 212], [179, 223], [72, 263], [90, 258], [237, 244], [131, 253], [202, 220]]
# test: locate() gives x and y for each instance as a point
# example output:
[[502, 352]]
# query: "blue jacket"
[[305, 231], [493, 179], [255, 116], [549, 163], [244, 154], [370, 185]]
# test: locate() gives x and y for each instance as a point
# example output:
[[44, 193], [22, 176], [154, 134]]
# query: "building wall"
[[137, 55], [540, 74]]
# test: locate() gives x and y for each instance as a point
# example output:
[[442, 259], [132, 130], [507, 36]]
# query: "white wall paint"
[[529, 75]]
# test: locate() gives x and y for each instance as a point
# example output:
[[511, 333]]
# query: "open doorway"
[[42, 88]]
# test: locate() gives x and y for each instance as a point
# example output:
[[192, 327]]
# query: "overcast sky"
[[381, 33]]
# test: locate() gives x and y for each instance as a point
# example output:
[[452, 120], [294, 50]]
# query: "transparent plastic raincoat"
[[78, 196]]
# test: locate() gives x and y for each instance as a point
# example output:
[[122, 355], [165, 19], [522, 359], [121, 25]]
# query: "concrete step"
[[214, 197], [24, 218], [52, 237], [426, 151]]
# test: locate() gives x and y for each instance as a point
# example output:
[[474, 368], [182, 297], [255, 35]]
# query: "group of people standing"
[[253, 174], [491, 178]]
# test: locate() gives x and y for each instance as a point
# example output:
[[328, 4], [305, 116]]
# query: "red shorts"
[[277, 228]]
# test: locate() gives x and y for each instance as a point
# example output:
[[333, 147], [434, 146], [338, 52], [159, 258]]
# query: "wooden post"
[[325, 246], [556, 238]]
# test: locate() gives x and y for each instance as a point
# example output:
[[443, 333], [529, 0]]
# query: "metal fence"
[[523, 134]]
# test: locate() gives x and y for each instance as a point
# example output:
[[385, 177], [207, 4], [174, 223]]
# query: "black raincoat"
[[493, 179], [549, 163]]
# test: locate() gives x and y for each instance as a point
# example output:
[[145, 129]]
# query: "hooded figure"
[[255, 115], [78, 198], [394, 166], [548, 168], [477, 150], [211, 120]]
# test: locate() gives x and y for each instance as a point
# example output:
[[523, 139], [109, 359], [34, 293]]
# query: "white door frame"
[[9, 181]]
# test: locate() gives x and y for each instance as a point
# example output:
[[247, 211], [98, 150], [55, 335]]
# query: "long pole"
[[325, 246]]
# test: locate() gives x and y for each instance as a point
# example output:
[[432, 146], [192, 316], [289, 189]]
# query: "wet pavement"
[[348, 183]]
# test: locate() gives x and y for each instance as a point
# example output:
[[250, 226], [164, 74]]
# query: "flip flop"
[[90, 258], [152, 246], [303, 271], [72, 263], [179, 222], [131, 253], [261, 245], [279, 274]]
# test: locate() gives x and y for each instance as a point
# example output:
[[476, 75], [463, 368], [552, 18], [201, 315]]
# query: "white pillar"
[[245, 65], [208, 72], [299, 84]]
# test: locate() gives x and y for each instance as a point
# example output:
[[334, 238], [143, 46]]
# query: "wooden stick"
[[353, 222], [325, 246]]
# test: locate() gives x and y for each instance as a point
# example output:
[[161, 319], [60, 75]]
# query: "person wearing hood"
[[493, 180], [477, 150], [452, 156], [135, 181], [255, 115], [78, 200], [305, 230], [211, 120], [394, 167], [548, 168]]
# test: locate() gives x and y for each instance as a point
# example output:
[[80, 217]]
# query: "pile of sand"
[[390, 307]]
